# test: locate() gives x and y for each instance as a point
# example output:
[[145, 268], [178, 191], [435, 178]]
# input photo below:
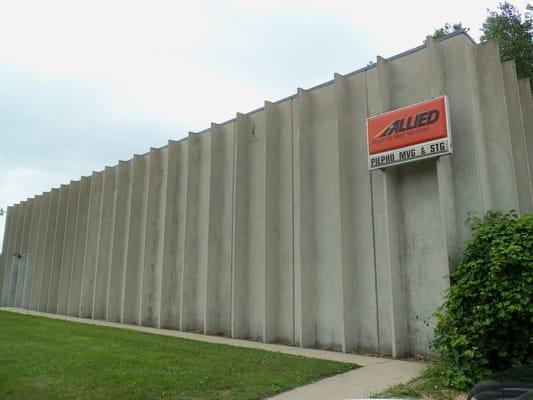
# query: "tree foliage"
[[447, 29], [486, 321], [514, 35]]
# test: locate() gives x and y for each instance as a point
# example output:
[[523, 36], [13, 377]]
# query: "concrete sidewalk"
[[374, 375], [357, 384]]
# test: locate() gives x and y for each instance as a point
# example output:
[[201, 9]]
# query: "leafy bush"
[[486, 321]]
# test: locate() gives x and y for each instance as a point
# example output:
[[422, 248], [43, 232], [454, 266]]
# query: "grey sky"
[[84, 84]]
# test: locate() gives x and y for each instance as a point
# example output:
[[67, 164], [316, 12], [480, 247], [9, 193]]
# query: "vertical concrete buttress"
[[518, 138], [32, 250], [80, 240], [23, 250], [526, 105], [241, 233], [6, 249], [174, 234], [105, 243], [358, 276], [13, 255], [217, 319], [57, 251], [279, 267], [136, 241], [495, 127], [436, 84], [12, 266], [319, 225], [67, 260], [47, 257], [119, 248], [154, 239], [391, 305], [248, 311], [307, 334], [40, 252], [194, 273], [91, 245]]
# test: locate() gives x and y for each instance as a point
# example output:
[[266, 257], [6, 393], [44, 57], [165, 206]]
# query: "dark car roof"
[[516, 383]]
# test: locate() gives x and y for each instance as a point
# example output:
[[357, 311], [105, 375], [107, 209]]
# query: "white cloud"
[[97, 38]]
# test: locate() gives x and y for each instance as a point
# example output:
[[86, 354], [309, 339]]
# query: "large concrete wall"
[[270, 227]]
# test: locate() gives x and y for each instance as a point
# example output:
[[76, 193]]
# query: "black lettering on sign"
[[381, 160], [404, 154], [433, 116], [437, 147]]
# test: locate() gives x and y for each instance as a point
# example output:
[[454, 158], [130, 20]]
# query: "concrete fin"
[[391, 298], [24, 245], [119, 250], [279, 263], [153, 253], [436, 84], [8, 291], [59, 239], [174, 235], [218, 291], [248, 313], [320, 225], [5, 251], [136, 241], [526, 104], [358, 276], [105, 245], [91, 245], [32, 241], [48, 250], [496, 136], [68, 247], [194, 273], [518, 139], [80, 240], [41, 246]]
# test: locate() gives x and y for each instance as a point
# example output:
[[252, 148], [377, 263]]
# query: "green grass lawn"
[[42, 358]]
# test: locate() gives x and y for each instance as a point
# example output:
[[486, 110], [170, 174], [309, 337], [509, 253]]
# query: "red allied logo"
[[408, 126], [403, 124]]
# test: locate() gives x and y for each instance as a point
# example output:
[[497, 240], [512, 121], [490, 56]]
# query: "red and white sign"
[[408, 134]]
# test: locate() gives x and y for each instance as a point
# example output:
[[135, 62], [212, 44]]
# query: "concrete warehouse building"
[[271, 227]]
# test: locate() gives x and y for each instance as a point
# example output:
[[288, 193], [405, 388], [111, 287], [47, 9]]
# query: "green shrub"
[[486, 321]]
